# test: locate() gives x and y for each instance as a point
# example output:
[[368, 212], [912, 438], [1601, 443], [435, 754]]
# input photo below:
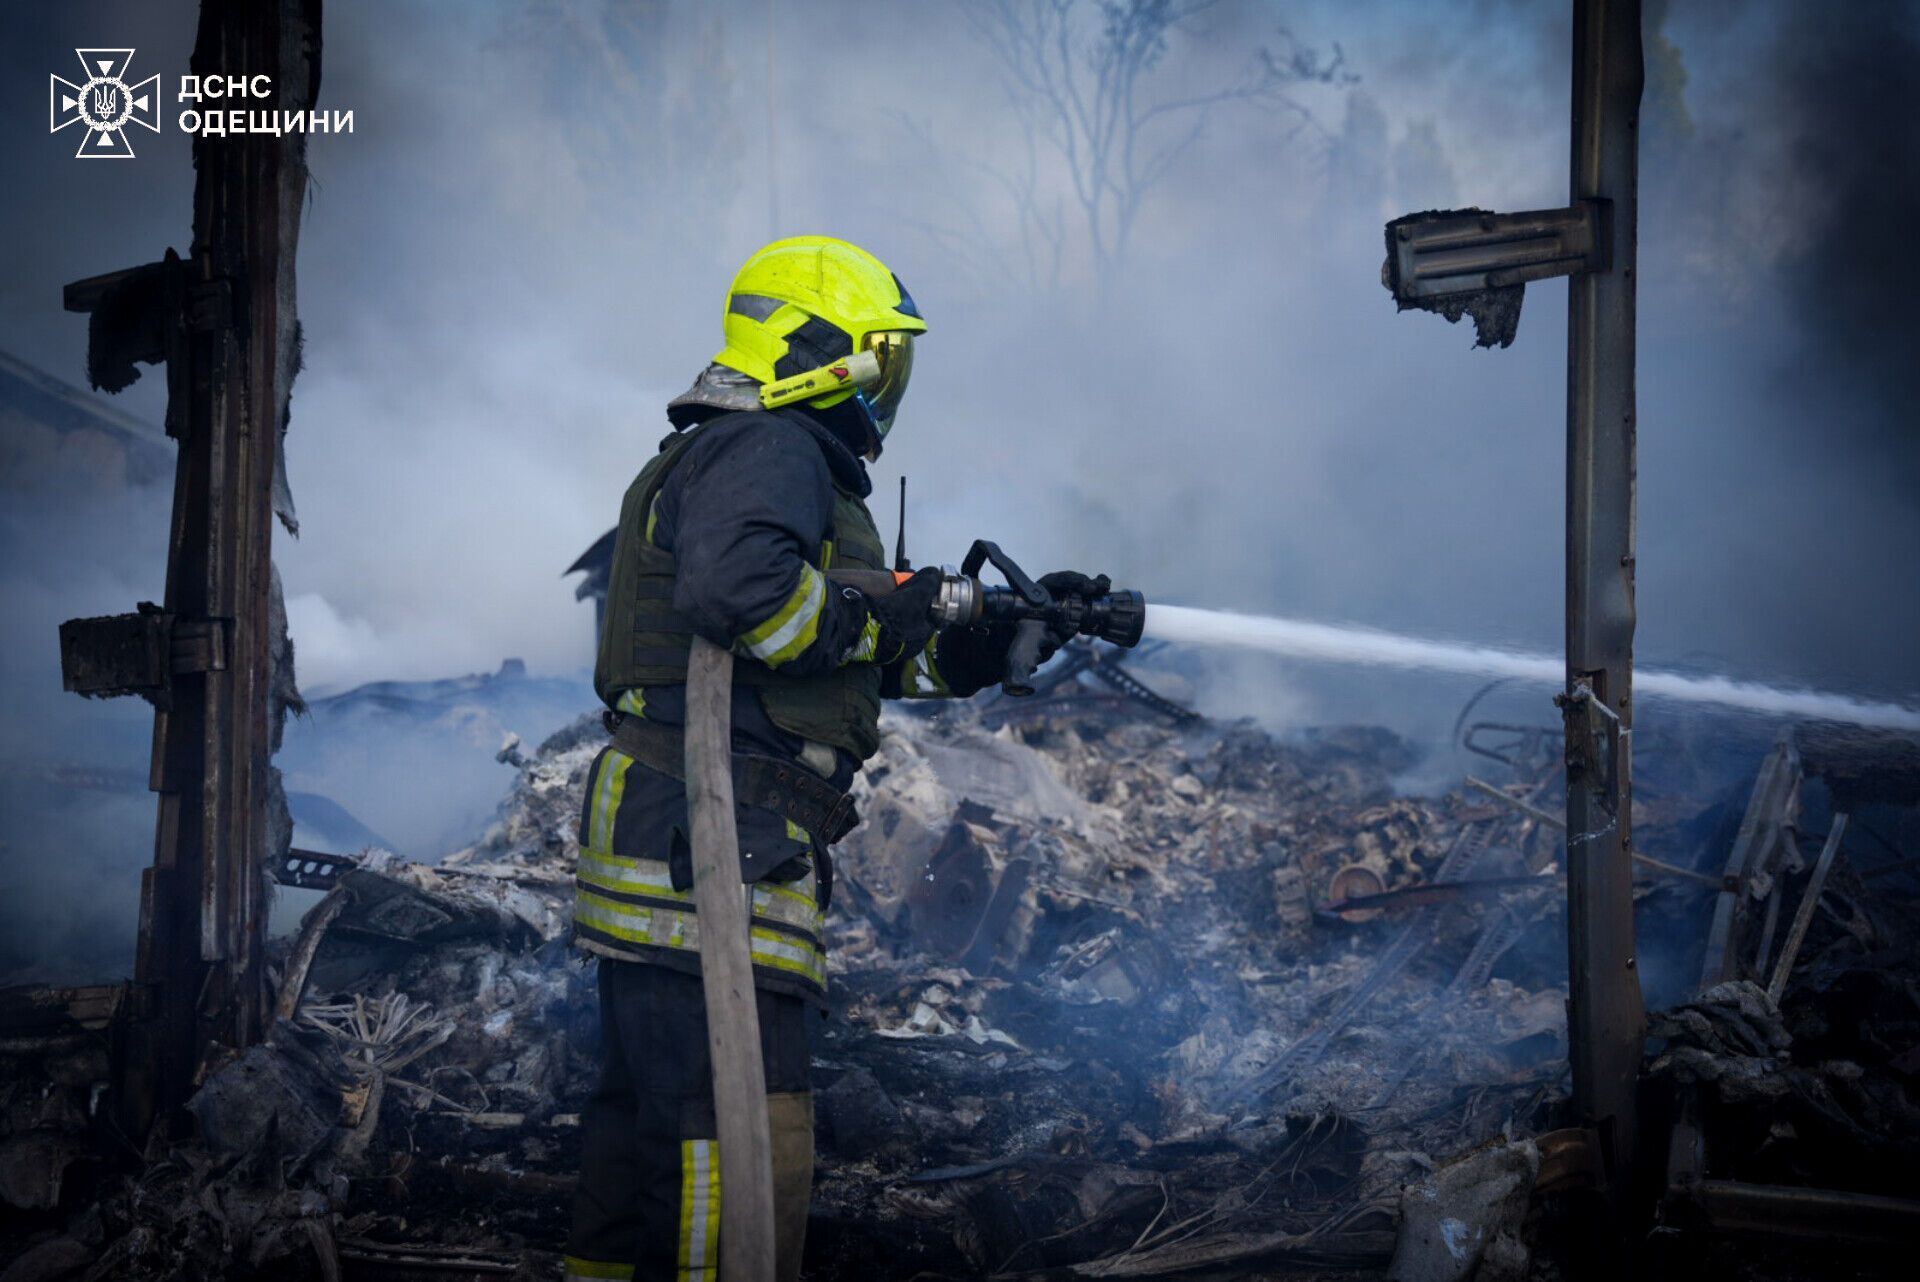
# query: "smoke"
[[1847, 102], [76, 820], [523, 248], [331, 645]]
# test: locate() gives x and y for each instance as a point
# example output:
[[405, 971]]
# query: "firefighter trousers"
[[648, 1204]]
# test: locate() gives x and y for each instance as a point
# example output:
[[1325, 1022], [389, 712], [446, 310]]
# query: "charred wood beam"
[[397, 1262], [222, 320], [1435, 255], [140, 653], [1803, 917], [1428, 893], [1772, 809], [293, 985]]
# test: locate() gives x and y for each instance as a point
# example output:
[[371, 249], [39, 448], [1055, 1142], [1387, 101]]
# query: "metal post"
[[1606, 1021]]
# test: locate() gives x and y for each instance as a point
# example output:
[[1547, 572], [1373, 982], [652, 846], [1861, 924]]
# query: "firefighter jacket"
[[727, 533]]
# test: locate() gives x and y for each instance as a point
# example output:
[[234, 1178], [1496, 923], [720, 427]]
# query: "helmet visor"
[[894, 350]]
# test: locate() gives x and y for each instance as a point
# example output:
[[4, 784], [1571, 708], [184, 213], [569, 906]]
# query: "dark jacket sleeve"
[[744, 514]]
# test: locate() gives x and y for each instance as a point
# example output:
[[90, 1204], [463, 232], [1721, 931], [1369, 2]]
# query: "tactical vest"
[[646, 642]]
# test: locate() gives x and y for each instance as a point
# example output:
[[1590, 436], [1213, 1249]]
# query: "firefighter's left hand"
[[1066, 583], [1062, 584]]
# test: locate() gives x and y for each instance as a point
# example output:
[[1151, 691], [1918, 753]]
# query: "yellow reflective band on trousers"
[[579, 1270], [791, 628], [699, 1250], [619, 901]]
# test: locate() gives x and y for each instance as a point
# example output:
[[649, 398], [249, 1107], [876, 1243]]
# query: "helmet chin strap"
[[875, 437]]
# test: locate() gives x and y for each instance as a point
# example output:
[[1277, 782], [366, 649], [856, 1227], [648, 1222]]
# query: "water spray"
[[1333, 643], [1123, 618]]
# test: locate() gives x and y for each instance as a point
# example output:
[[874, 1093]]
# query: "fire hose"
[[726, 973], [747, 1251]]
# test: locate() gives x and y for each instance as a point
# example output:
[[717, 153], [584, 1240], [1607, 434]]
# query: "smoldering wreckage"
[[1118, 992]]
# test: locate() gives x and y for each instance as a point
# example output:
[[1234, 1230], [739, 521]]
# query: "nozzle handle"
[[1023, 656], [984, 552], [1030, 633]]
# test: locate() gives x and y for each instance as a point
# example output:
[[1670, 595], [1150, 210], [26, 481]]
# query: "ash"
[[1114, 995]]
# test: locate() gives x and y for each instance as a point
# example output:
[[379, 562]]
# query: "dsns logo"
[[105, 104]]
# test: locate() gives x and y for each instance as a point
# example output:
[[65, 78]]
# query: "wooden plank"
[[1775, 789], [1803, 917]]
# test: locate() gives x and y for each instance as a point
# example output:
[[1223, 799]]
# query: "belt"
[[787, 788]]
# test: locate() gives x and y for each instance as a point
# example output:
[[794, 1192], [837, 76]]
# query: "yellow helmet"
[[810, 302]]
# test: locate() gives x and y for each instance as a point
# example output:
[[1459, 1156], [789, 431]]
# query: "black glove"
[[905, 616], [973, 658]]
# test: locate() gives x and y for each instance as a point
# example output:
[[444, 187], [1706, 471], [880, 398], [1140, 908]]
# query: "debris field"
[[1115, 994]]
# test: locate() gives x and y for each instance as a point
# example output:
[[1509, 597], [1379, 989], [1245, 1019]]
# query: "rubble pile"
[[1080, 952], [1113, 996]]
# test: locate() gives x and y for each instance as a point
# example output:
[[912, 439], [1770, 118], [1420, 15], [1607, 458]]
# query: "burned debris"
[[1116, 995], [1787, 1079], [1118, 992], [1093, 1013]]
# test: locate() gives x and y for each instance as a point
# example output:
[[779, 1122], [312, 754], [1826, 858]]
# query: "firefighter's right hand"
[[900, 623]]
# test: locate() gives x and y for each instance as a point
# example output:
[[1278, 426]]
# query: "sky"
[[523, 249]]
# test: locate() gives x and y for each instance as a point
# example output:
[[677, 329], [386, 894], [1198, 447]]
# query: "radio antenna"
[[900, 562]]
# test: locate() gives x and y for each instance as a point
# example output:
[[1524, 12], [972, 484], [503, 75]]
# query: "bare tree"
[[1089, 81], [960, 227]]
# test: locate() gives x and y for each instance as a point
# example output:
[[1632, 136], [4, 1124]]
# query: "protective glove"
[[901, 622], [973, 658]]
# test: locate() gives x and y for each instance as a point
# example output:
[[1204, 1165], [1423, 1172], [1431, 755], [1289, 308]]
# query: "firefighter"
[[727, 534]]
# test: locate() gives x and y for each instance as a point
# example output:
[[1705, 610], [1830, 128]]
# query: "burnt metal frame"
[[1605, 1015], [1435, 257]]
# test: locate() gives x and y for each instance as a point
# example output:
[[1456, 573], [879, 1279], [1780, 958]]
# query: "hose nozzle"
[[1119, 617]]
